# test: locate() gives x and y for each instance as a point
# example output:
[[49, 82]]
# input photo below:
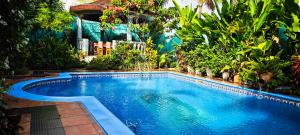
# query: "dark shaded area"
[[45, 120]]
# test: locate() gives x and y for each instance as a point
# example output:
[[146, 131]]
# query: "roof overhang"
[[84, 8]]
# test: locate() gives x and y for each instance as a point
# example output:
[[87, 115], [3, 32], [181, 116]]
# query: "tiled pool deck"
[[74, 118]]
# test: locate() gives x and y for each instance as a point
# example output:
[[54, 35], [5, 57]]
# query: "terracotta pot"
[[225, 75], [266, 76], [197, 72], [209, 73], [237, 79]]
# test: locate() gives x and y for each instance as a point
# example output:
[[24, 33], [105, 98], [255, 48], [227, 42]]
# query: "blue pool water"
[[170, 106]]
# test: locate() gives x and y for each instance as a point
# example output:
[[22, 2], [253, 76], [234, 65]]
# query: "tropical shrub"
[[54, 18], [104, 62], [51, 52], [253, 39], [151, 54], [15, 22], [123, 57]]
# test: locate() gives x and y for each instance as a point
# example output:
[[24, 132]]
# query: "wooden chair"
[[108, 48]]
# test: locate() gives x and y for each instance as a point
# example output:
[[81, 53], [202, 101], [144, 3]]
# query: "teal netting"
[[168, 44], [91, 29], [281, 34]]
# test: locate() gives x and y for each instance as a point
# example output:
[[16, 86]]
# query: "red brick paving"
[[75, 120]]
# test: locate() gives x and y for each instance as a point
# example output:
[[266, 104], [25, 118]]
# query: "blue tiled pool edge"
[[110, 123], [242, 90], [104, 118]]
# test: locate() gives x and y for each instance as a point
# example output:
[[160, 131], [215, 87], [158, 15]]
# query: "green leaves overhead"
[[51, 19], [253, 9], [295, 24], [265, 11], [264, 46], [249, 37], [187, 15]]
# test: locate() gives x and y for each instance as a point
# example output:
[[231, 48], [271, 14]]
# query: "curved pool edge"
[[108, 121], [104, 118]]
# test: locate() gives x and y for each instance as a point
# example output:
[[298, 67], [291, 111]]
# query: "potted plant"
[[190, 69], [209, 73], [198, 72], [267, 76], [225, 72], [82, 55], [237, 78], [235, 67], [212, 68]]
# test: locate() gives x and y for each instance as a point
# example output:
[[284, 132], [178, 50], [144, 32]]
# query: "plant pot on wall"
[[237, 79], [209, 73], [266, 76], [198, 72], [190, 70], [225, 76]]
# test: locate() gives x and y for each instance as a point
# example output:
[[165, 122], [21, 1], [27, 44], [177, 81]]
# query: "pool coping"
[[108, 121]]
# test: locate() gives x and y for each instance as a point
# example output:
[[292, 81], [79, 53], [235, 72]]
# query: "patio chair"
[[108, 48], [100, 48]]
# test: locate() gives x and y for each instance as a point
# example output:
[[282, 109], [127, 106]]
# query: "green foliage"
[[51, 52], [151, 54], [261, 61], [123, 57], [129, 56], [149, 22], [117, 2], [126, 58], [150, 18], [243, 38], [104, 62], [17, 19], [53, 19], [190, 35], [164, 59], [15, 22]]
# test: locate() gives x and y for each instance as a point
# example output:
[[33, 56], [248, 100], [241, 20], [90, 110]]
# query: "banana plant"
[[186, 32]]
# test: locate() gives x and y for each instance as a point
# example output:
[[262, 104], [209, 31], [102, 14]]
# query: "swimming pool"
[[170, 103]]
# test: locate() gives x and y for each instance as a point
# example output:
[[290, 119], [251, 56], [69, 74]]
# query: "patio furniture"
[[108, 48], [100, 48]]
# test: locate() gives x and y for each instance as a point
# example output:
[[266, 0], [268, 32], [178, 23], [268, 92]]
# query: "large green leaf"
[[295, 24], [264, 46], [176, 5], [252, 7]]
